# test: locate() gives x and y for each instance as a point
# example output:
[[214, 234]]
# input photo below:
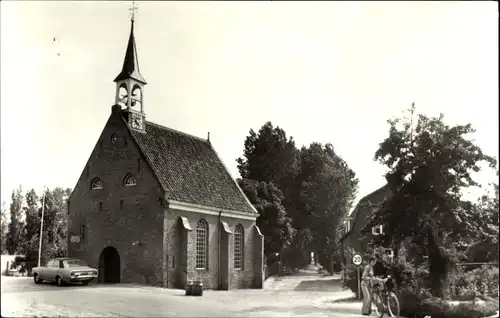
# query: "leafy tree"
[[31, 229], [428, 166], [270, 156], [484, 229], [15, 226], [3, 230], [316, 184], [54, 243], [273, 219], [32, 225], [328, 188], [60, 228]]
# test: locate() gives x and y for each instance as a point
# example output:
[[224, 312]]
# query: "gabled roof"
[[130, 67], [190, 169], [355, 213]]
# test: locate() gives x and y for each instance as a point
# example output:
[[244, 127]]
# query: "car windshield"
[[75, 263]]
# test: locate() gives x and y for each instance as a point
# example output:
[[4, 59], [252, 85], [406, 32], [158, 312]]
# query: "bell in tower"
[[130, 84]]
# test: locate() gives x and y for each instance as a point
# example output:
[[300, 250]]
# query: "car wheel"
[[85, 283], [59, 281], [37, 279]]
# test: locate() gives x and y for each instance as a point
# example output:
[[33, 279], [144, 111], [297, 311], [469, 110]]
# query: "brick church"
[[157, 206]]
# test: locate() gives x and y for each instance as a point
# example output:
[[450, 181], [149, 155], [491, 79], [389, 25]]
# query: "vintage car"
[[65, 270]]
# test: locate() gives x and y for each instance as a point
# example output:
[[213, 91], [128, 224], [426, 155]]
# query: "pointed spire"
[[131, 64]]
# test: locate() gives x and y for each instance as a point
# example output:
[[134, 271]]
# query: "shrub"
[[406, 278], [419, 307], [467, 282], [409, 302]]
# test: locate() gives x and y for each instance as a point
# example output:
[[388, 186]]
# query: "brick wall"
[[116, 215], [237, 278], [259, 272]]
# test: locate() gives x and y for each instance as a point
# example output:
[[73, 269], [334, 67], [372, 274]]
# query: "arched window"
[[97, 184], [136, 95], [238, 247], [129, 181], [202, 245]]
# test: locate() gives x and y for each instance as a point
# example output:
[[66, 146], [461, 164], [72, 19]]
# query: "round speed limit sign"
[[357, 259]]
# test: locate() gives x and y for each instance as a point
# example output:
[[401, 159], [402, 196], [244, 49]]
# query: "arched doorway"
[[109, 266]]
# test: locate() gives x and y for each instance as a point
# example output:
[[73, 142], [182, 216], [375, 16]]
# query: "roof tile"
[[189, 168]]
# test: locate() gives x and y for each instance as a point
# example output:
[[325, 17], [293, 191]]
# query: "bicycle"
[[385, 301]]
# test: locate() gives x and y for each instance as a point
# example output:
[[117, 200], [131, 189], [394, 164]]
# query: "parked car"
[[65, 270]]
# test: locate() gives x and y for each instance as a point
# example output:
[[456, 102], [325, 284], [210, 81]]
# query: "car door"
[[45, 271], [55, 269], [61, 270], [52, 270]]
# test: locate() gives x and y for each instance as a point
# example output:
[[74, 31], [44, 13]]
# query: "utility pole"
[[41, 229]]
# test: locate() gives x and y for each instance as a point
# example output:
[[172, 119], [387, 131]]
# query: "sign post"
[[357, 260]]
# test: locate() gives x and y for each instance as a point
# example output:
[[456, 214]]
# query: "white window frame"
[[97, 184], [239, 247], [378, 230], [347, 226], [133, 180], [202, 245]]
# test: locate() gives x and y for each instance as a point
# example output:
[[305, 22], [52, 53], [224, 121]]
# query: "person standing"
[[366, 278], [379, 269]]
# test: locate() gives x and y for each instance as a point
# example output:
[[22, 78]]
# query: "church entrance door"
[[109, 266]]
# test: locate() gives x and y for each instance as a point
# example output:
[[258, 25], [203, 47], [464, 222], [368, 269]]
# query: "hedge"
[[416, 301]]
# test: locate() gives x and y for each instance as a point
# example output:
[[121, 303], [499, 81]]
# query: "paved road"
[[298, 296]]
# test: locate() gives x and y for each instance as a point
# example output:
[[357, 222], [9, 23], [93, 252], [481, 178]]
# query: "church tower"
[[130, 85]]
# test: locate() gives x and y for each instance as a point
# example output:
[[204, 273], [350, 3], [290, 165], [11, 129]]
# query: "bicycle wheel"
[[393, 305], [379, 305]]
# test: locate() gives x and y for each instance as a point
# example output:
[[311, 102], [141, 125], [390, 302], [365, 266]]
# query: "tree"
[[31, 229], [3, 230], [54, 243], [327, 190], [14, 244], [317, 187], [483, 233], [429, 164], [273, 220], [270, 156], [60, 229]]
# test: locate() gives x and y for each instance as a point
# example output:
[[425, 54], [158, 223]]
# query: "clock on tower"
[[136, 121]]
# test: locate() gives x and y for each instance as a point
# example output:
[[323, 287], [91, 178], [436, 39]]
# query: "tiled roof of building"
[[364, 200], [190, 169]]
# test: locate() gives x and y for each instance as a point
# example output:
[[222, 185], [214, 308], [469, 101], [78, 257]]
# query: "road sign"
[[357, 259]]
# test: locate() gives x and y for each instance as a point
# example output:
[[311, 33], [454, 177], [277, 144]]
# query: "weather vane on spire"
[[132, 11]]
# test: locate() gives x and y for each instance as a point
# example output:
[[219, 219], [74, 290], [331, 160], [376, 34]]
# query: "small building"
[[354, 241], [158, 206]]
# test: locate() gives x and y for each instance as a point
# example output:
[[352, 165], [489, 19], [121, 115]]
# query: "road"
[[298, 296]]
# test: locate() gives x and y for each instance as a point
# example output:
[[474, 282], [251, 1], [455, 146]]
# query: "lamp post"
[[41, 229]]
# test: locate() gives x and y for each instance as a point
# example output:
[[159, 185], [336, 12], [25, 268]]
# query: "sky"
[[323, 71]]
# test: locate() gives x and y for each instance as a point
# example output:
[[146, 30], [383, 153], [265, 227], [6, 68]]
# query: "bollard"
[[189, 288], [194, 288]]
